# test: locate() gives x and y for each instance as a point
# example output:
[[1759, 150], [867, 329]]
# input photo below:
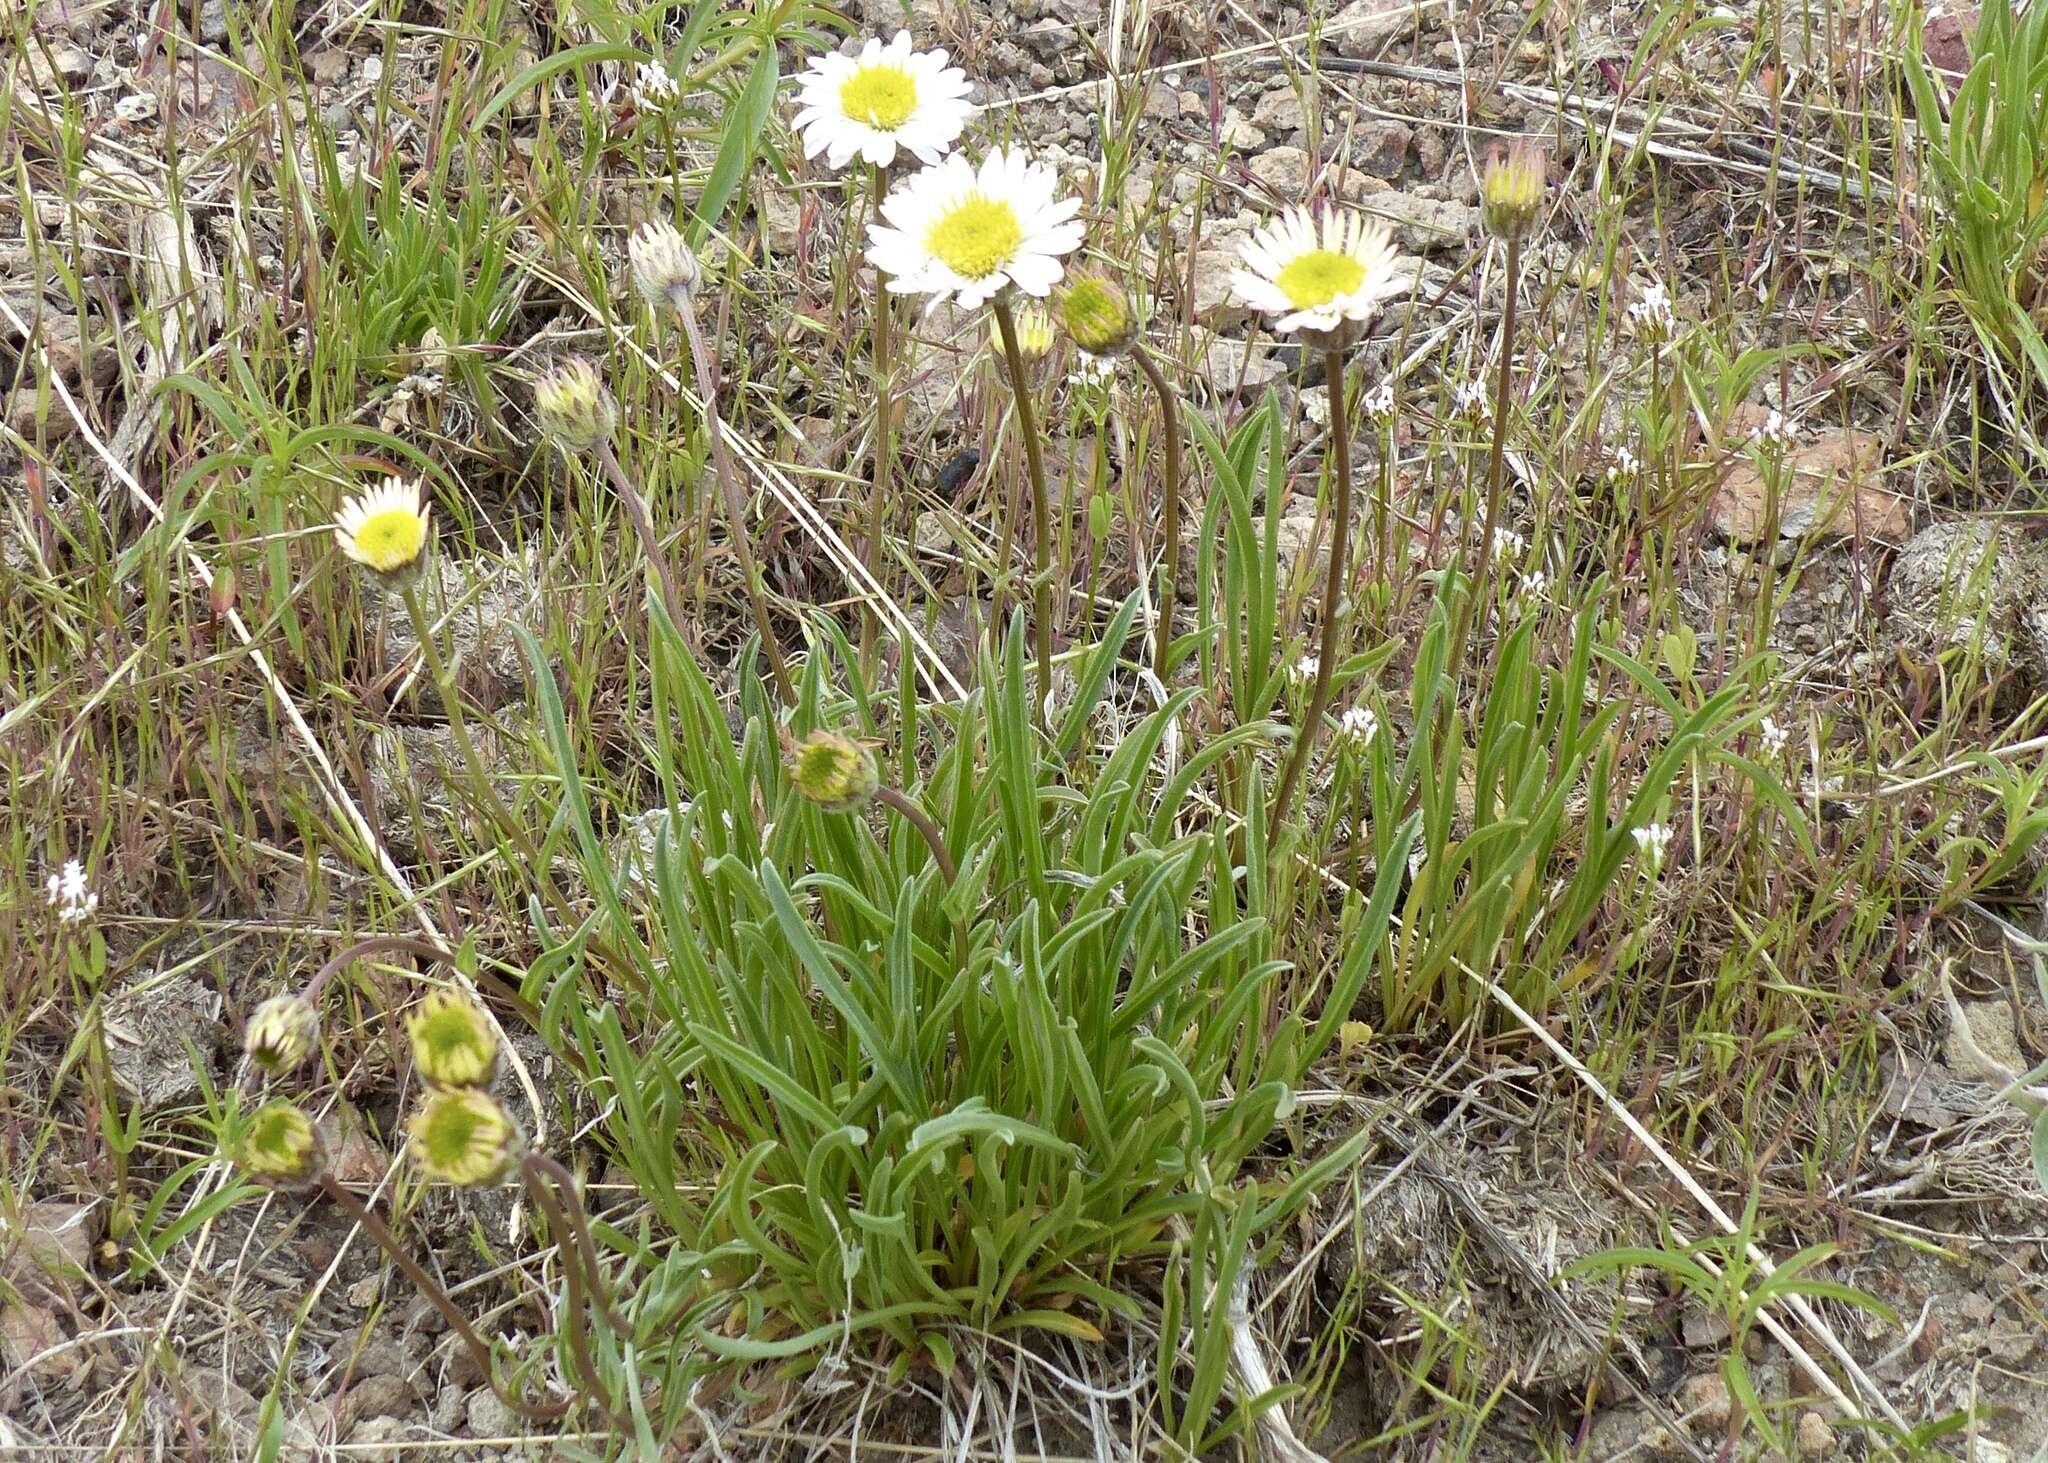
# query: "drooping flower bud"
[[1034, 341], [280, 1147], [464, 1137], [834, 771], [1511, 189], [665, 269], [454, 1043], [574, 407], [1098, 315], [281, 1033]]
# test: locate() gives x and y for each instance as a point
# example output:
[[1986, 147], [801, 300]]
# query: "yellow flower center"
[[976, 236], [391, 539], [882, 96], [1318, 277]]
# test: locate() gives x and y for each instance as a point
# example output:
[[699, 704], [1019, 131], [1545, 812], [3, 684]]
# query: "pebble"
[[1813, 1437]]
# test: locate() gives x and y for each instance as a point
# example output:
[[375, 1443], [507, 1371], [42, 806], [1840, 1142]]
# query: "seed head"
[[464, 1137], [834, 771], [1511, 189], [574, 407], [665, 270], [281, 1033], [1098, 316], [454, 1043], [280, 1147]]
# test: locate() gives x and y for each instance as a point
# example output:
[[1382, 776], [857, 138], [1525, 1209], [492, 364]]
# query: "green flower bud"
[[281, 1033], [454, 1043], [835, 772], [574, 407], [280, 1147], [1511, 189], [1098, 316], [463, 1137]]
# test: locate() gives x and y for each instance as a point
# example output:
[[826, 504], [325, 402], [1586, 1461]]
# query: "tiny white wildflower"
[[1773, 736], [1625, 465], [1378, 403], [69, 894], [653, 88], [1091, 371], [1305, 670], [1653, 841], [1469, 398], [1359, 724], [1776, 432], [1651, 313], [1315, 405], [1507, 541], [1535, 584]]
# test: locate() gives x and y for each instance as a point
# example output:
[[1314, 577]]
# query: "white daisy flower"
[[958, 231], [1318, 274], [653, 88], [1359, 724], [385, 529], [1651, 312], [69, 896], [1378, 403], [888, 97], [1653, 841], [1773, 736]]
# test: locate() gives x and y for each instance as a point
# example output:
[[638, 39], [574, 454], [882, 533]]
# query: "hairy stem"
[[927, 829], [1169, 513], [1041, 508], [1479, 588], [479, 1350], [878, 493], [643, 529], [729, 488], [1333, 597]]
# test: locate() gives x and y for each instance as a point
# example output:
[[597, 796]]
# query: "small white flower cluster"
[[1653, 841], [1359, 725], [1773, 737], [1378, 403], [653, 88], [1625, 465], [1506, 541], [1315, 405], [69, 896], [1305, 670], [1651, 313], [1535, 584], [1468, 399], [1091, 371], [1776, 432]]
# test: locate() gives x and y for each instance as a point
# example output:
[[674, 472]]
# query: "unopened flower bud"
[[665, 270], [464, 1137], [280, 1147], [454, 1043], [1097, 314], [1034, 340], [1511, 189], [281, 1033], [834, 771], [574, 407]]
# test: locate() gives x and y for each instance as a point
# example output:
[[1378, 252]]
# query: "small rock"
[[379, 1433], [1363, 26], [1813, 1437], [479, 602], [1705, 1401], [1426, 225], [379, 1396], [781, 220], [27, 1332], [1972, 583], [1234, 365], [1288, 171], [1826, 488], [1991, 1051], [1280, 111], [1381, 149], [489, 1417], [1237, 131], [1162, 103], [1216, 302], [213, 22], [52, 1246]]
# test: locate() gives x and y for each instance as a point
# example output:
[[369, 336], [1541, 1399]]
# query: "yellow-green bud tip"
[[279, 1146], [1098, 316], [835, 772], [281, 1033], [665, 271], [464, 1138], [454, 1043], [573, 405], [1511, 189]]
